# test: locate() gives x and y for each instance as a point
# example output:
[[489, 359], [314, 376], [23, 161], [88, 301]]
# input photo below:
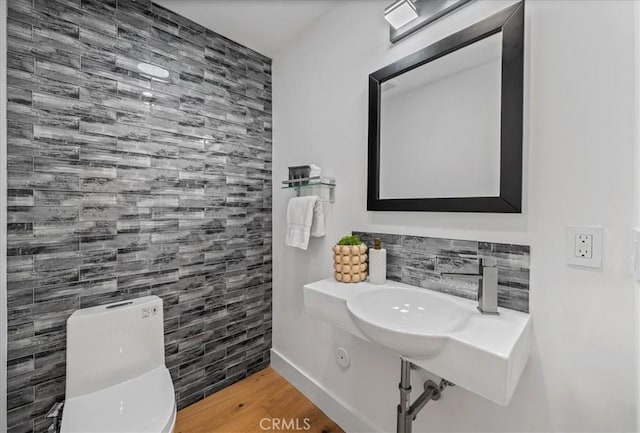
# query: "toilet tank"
[[112, 343]]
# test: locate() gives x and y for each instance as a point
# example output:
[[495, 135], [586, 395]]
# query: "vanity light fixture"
[[400, 13], [408, 16]]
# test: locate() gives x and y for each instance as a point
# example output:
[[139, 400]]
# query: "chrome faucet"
[[487, 277]]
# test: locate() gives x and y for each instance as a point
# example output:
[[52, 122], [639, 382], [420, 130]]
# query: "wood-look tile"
[[43, 51], [53, 229], [28, 81], [20, 398], [20, 197], [29, 114], [66, 137], [19, 62], [72, 14], [19, 29], [70, 290], [86, 168], [115, 193]]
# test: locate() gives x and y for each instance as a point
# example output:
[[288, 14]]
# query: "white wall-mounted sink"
[[412, 322], [443, 334]]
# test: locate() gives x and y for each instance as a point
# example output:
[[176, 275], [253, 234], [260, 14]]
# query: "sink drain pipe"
[[407, 412]]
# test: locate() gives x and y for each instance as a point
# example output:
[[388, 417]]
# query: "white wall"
[[580, 125], [636, 192]]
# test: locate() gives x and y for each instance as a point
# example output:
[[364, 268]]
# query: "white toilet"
[[117, 381]]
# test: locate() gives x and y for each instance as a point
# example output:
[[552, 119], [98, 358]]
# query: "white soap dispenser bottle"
[[377, 263]]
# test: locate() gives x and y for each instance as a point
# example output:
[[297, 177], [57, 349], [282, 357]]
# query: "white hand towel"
[[302, 213], [317, 224]]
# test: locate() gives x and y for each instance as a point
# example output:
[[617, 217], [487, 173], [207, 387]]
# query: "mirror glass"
[[440, 126]]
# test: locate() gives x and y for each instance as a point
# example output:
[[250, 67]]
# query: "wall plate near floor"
[[584, 246], [342, 357]]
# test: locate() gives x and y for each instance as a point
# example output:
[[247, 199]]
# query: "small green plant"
[[350, 240]]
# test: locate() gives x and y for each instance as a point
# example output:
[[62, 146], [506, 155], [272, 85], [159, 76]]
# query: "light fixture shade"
[[153, 70], [400, 13]]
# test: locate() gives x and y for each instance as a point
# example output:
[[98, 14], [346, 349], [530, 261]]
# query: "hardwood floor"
[[263, 402]]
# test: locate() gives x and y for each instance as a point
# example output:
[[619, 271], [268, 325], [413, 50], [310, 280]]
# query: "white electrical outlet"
[[584, 246]]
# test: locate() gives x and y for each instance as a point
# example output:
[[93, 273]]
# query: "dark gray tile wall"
[[117, 193], [420, 261]]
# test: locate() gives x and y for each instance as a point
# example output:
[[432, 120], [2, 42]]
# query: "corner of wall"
[[3, 218], [636, 195]]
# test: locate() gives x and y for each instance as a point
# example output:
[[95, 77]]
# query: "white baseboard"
[[340, 412]]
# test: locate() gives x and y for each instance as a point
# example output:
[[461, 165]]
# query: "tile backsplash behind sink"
[[420, 261]]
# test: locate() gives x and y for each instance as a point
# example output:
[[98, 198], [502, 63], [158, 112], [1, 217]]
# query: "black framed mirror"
[[445, 123]]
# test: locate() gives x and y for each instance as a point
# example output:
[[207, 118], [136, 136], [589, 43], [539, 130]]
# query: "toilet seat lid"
[[144, 404]]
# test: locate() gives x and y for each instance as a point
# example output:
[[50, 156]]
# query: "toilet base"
[[143, 404]]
